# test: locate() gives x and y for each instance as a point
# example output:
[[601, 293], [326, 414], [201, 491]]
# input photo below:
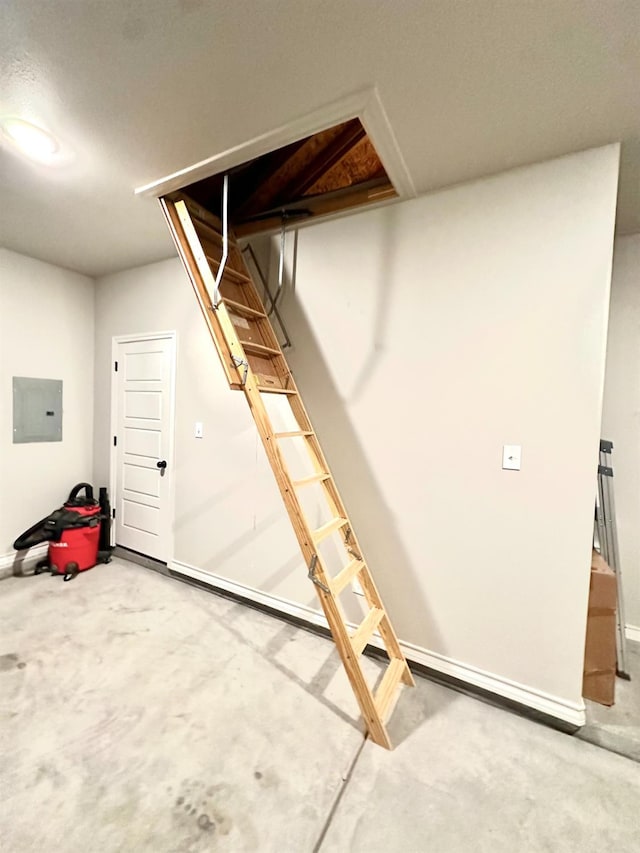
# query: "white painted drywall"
[[621, 415], [46, 331], [228, 517], [427, 335]]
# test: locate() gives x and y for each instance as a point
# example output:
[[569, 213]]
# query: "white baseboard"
[[632, 632], [291, 608], [554, 706], [538, 700], [15, 562]]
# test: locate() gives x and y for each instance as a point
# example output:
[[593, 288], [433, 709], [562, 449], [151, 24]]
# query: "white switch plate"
[[199, 430], [512, 457]]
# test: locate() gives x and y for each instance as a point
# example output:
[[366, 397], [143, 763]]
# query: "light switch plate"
[[199, 429], [512, 457]]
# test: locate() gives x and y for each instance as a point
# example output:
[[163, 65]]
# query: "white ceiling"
[[140, 90]]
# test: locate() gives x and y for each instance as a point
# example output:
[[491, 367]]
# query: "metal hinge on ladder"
[[312, 574], [239, 362], [351, 551]]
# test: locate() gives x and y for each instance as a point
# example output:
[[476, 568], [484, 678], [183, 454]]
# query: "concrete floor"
[[141, 714], [618, 728]]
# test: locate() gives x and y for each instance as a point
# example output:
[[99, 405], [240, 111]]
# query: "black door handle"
[[161, 464]]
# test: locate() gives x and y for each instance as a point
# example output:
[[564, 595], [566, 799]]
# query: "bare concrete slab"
[[141, 714], [470, 778]]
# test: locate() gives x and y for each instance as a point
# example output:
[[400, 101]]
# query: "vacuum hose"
[[34, 535]]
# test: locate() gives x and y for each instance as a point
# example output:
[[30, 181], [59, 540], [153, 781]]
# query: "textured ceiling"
[[140, 90]]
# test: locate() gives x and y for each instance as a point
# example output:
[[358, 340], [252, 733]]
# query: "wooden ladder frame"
[[188, 224]]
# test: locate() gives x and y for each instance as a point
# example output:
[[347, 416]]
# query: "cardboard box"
[[598, 683]]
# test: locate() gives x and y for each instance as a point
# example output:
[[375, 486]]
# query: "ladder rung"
[[388, 686], [346, 575], [314, 478], [200, 223], [293, 434], [228, 271], [239, 308], [365, 629], [268, 389], [328, 528], [260, 349]]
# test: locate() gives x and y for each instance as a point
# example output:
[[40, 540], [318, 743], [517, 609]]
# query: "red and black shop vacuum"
[[79, 534]]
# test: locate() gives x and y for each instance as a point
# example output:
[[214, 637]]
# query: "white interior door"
[[144, 445]]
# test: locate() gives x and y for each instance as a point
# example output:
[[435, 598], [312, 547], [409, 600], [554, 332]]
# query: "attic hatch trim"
[[364, 105]]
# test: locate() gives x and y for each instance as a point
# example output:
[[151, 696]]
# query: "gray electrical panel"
[[37, 410]]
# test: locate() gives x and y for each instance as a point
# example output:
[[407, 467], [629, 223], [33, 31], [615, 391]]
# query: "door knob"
[[161, 464]]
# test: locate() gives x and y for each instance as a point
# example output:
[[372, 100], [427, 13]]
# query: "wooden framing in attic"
[[325, 173]]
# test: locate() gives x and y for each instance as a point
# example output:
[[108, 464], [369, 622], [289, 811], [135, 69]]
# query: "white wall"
[[46, 331], [431, 333], [427, 334], [228, 518], [621, 416]]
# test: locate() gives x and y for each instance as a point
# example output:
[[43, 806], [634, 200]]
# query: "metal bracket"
[[238, 362], [281, 259], [225, 240], [312, 574], [347, 536], [267, 293]]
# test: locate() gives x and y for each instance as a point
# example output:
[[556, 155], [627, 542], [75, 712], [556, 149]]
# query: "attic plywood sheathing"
[[333, 170]]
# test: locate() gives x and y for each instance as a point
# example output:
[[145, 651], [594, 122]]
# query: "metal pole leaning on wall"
[[608, 530]]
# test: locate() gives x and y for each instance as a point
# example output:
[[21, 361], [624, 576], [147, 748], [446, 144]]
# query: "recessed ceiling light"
[[33, 141]]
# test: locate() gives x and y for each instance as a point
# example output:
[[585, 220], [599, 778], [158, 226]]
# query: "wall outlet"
[[512, 457]]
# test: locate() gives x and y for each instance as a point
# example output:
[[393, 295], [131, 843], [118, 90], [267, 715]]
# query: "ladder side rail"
[[352, 545], [305, 540], [236, 351], [194, 271]]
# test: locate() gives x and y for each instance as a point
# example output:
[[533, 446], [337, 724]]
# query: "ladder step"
[[388, 686], [346, 575], [365, 629], [200, 224], [236, 275], [239, 308], [259, 349], [328, 528], [293, 434], [314, 478], [267, 389]]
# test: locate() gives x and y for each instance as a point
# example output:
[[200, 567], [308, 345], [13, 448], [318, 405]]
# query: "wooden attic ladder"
[[253, 362]]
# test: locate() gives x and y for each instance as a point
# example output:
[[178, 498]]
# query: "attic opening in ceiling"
[[323, 174]]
